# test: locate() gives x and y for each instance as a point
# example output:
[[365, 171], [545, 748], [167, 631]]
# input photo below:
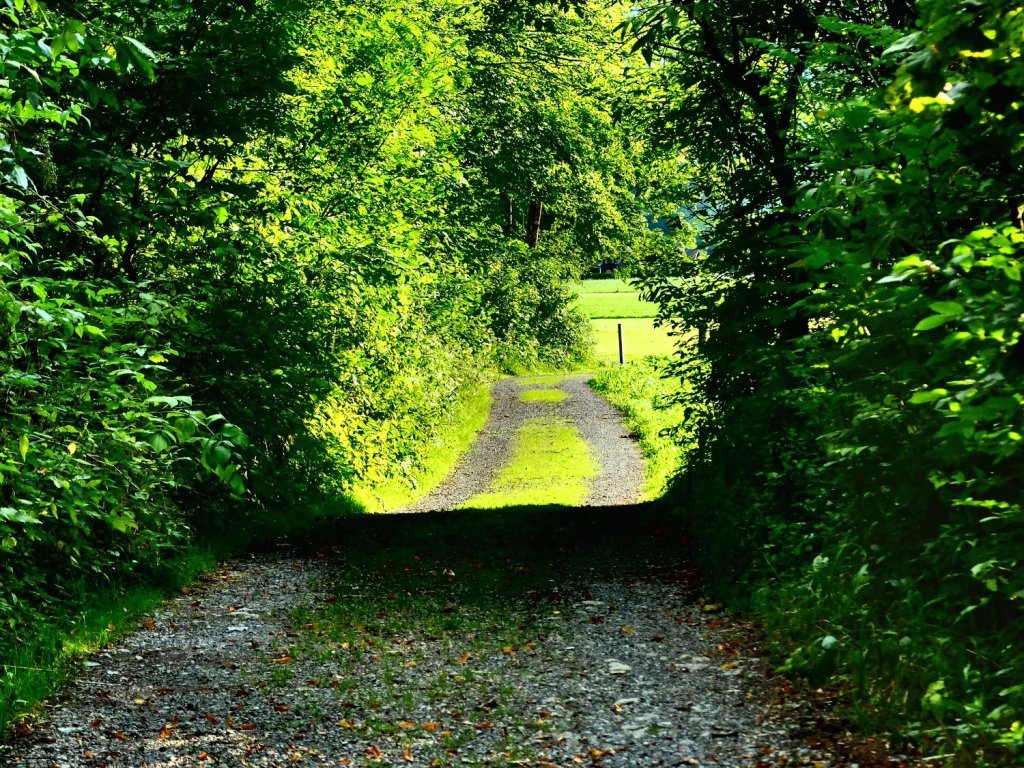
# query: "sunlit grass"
[[542, 396], [610, 285], [551, 464], [625, 304], [640, 339]]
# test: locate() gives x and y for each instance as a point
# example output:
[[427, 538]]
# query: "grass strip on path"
[[543, 396], [551, 464]]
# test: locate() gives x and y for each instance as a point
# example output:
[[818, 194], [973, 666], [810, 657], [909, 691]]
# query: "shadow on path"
[[513, 548]]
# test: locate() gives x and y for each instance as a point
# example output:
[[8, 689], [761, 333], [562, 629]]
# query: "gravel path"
[[508, 639], [621, 477]]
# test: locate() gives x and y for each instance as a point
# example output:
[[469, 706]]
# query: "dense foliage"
[[858, 379], [255, 254]]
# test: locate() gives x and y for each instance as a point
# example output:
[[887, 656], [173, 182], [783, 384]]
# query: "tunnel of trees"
[[259, 251]]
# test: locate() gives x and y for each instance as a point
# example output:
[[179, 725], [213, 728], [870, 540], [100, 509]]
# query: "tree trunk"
[[533, 223], [510, 218]]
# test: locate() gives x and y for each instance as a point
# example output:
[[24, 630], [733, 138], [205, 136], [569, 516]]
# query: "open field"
[[618, 304], [606, 286], [609, 302], [639, 339]]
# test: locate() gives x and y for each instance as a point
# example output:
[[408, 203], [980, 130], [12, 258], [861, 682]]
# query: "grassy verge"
[[436, 460], [551, 464], [33, 668], [643, 397]]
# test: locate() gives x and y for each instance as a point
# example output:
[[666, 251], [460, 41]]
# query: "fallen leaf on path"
[[166, 732], [210, 718], [431, 726], [202, 756], [406, 724], [374, 752], [407, 754], [628, 630], [247, 727], [465, 657], [96, 723], [149, 624], [346, 724], [281, 707]]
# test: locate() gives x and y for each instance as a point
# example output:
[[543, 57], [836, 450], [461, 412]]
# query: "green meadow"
[[610, 302]]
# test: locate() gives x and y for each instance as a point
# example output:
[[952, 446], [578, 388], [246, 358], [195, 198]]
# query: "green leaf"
[[122, 523], [929, 396], [951, 308], [12, 515], [934, 321], [159, 443]]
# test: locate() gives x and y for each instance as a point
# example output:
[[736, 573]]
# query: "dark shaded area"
[[512, 550]]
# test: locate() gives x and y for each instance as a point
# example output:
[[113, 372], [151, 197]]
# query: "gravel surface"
[[614, 672], [621, 477], [510, 639]]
